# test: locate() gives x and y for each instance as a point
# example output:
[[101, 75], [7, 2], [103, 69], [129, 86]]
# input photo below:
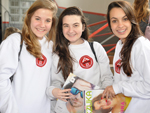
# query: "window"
[[18, 9]]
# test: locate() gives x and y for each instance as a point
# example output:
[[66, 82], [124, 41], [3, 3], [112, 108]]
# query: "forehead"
[[82, 85], [70, 19], [117, 13], [43, 13]]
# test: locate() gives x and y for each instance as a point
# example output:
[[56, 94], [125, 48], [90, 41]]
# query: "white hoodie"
[[26, 94], [97, 73], [138, 85]]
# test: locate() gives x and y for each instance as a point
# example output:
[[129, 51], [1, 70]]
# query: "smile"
[[41, 30], [121, 31], [71, 35]]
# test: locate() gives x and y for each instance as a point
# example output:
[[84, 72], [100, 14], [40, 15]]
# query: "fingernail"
[[106, 100], [101, 97]]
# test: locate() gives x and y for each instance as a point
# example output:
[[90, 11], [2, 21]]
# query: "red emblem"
[[41, 62], [117, 66], [86, 62]]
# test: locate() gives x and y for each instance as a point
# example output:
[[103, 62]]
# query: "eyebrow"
[[40, 17], [73, 24], [116, 18]]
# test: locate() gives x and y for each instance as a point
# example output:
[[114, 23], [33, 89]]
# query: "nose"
[[70, 29], [120, 24], [42, 24], [77, 96]]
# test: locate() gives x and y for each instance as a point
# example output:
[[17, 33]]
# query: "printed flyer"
[[76, 102], [94, 103]]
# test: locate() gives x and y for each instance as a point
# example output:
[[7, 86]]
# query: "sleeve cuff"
[[49, 92]]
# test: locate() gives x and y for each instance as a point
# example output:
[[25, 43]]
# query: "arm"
[[57, 81], [9, 50], [106, 74], [139, 86]]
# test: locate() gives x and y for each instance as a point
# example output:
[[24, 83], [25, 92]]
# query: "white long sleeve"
[[27, 92], [138, 85], [8, 66]]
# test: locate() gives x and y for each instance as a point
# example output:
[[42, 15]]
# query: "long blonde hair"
[[141, 9], [29, 37]]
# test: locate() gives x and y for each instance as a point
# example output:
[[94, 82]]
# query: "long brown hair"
[[135, 32], [61, 44], [141, 9], [29, 37]]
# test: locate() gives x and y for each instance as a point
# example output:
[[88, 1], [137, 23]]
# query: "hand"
[[62, 94], [108, 92]]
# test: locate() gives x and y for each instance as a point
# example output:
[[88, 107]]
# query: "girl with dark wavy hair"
[[131, 60], [31, 69], [72, 54]]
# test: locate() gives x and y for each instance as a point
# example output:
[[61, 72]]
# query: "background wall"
[[98, 6]]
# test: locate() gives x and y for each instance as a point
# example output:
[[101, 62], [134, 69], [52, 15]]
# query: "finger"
[[66, 90], [107, 95], [63, 99], [104, 93]]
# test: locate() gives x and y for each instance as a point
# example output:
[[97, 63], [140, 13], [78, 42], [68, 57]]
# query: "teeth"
[[40, 29], [70, 35], [121, 31]]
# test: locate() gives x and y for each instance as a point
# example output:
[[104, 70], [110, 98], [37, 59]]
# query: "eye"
[[75, 25], [99, 101], [48, 20], [65, 26], [125, 19], [114, 21], [37, 18]]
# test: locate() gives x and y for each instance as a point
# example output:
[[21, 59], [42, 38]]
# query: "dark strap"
[[20, 47], [21, 43], [92, 48]]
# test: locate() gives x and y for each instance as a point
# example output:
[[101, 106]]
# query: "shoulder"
[[141, 44], [97, 45], [15, 37]]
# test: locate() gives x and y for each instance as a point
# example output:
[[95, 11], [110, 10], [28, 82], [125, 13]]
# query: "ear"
[[83, 27]]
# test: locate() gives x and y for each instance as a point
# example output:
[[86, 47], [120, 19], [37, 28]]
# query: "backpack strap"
[[92, 48], [20, 47], [21, 43]]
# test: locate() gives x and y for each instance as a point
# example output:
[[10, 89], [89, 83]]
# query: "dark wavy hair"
[[135, 32], [61, 44]]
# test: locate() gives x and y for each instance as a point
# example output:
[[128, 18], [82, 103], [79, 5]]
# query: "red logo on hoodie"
[[41, 62], [117, 66], [86, 62]]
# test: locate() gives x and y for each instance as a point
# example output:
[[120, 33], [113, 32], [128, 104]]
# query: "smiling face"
[[102, 104], [73, 28], [120, 24], [41, 22]]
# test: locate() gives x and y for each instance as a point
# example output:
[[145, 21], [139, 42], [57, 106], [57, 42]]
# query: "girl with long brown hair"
[[72, 54], [31, 69], [131, 60]]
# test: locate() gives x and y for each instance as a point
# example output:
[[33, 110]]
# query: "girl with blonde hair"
[[26, 93]]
